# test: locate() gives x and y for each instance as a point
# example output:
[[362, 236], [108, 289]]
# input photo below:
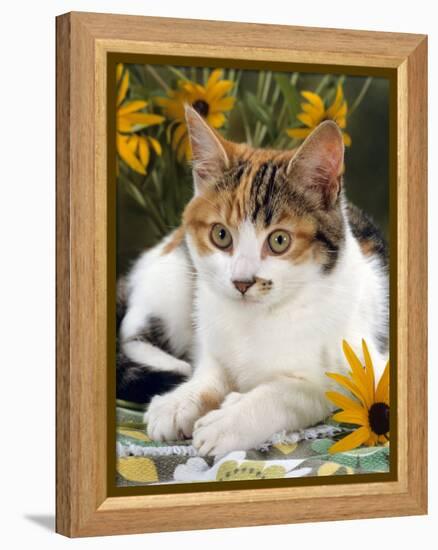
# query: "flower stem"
[[177, 73], [157, 77], [245, 124], [361, 95], [236, 84], [322, 84], [267, 85]]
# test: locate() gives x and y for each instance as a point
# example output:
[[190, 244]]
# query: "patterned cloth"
[[141, 461]]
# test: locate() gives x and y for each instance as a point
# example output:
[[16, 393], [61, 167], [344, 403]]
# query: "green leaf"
[[135, 193], [291, 96], [260, 112]]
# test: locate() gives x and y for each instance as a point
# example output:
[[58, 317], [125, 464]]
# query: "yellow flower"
[[210, 101], [133, 148], [370, 408], [314, 112]]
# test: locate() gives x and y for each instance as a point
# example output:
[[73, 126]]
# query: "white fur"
[[261, 355], [159, 285], [266, 354]]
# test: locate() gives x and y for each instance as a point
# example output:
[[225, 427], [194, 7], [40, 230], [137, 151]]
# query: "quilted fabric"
[[141, 461]]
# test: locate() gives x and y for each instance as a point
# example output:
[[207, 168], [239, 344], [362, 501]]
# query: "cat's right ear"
[[209, 158], [318, 162]]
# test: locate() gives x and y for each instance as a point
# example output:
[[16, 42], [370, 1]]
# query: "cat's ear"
[[318, 163], [209, 158]]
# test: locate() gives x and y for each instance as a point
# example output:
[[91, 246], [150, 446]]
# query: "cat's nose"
[[243, 286]]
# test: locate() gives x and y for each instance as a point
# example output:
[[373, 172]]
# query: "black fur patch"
[[269, 196], [231, 179], [367, 232], [268, 192], [332, 250], [138, 383], [155, 334]]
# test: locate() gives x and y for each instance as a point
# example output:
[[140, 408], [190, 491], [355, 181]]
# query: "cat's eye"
[[220, 236], [279, 241]]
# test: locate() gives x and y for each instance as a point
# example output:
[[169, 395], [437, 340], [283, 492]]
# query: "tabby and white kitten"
[[251, 297]]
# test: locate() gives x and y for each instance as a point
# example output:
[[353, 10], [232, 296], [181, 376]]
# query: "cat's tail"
[[134, 382], [139, 384]]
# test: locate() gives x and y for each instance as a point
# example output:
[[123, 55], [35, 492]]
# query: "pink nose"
[[243, 286]]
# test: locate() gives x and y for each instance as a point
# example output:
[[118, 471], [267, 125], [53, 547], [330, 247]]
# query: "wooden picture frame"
[[85, 506]]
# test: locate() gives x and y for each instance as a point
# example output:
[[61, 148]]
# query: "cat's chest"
[[253, 345]]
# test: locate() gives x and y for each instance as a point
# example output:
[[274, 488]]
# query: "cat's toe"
[[171, 417], [214, 434], [160, 420]]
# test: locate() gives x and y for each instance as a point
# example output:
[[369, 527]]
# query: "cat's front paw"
[[171, 416], [218, 432]]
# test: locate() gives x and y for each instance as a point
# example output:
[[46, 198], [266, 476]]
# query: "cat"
[[246, 304]]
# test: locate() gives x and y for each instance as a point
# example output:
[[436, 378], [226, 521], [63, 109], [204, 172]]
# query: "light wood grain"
[[417, 274], [83, 41]]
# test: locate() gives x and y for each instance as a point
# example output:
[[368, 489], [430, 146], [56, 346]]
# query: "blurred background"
[[262, 108]]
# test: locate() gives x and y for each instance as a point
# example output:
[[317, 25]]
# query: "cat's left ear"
[[209, 157], [318, 163]]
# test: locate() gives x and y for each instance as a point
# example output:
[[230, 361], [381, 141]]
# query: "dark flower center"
[[201, 106], [378, 417]]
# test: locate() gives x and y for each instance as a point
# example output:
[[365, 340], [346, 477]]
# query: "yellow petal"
[[298, 133], [156, 145], [193, 91], [216, 120], [224, 104], [174, 109], [342, 111], [128, 156], [351, 441], [123, 125], [132, 142], [312, 111], [348, 384], [352, 417], [334, 108], [170, 129], [213, 78], [220, 89], [183, 149], [358, 374], [341, 122], [143, 150], [344, 402], [131, 107], [162, 101], [119, 71], [144, 119], [123, 88], [382, 391], [372, 440], [368, 366], [347, 139], [314, 99], [306, 119], [178, 134]]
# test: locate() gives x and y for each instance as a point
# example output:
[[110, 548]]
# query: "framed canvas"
[[241, 274]]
